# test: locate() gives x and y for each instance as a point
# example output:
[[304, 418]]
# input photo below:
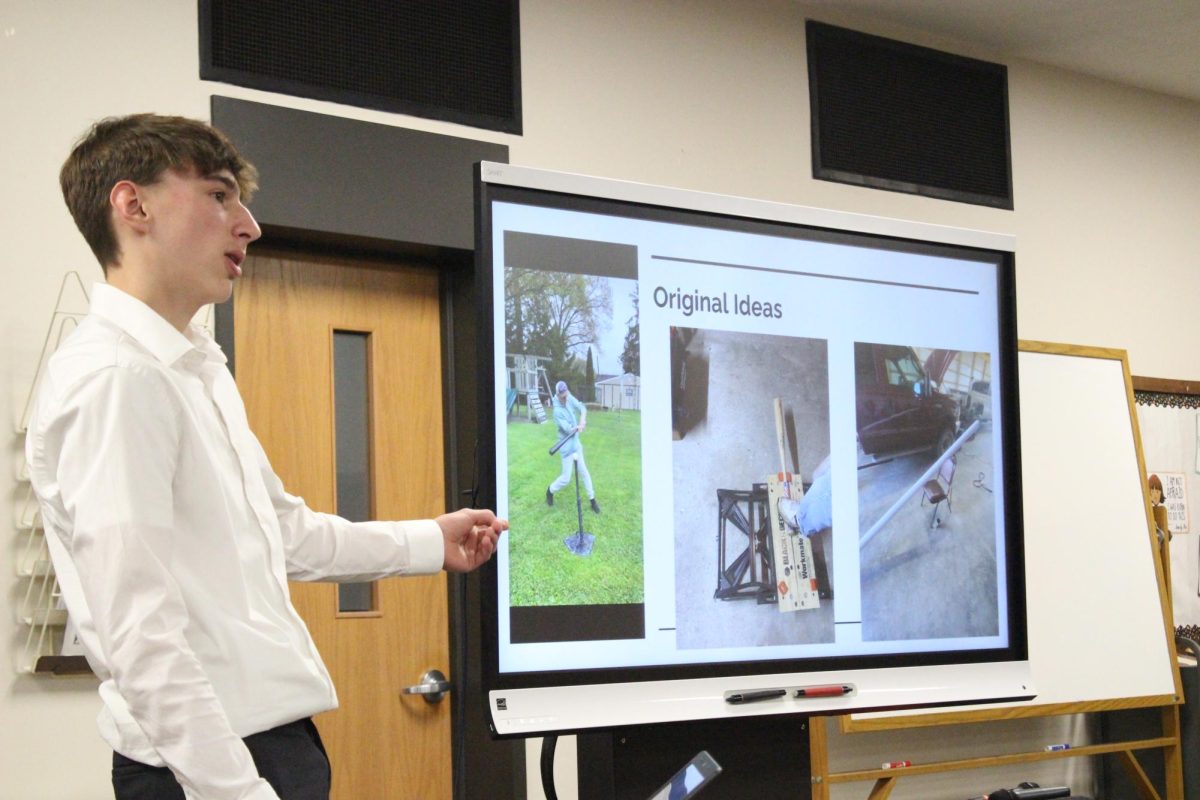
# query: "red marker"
[[835, 690], [896, 764]]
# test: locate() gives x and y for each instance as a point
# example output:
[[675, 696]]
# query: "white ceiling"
[[1150, 44]]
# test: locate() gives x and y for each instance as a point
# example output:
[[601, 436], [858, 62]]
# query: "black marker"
[[755, 696]]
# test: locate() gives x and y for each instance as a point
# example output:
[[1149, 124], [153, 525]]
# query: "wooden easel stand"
[[886, 779]]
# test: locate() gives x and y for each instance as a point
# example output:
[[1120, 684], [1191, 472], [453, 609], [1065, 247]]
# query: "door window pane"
[[352, 434]]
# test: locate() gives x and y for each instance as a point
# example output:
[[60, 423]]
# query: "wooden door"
[[286, 312]]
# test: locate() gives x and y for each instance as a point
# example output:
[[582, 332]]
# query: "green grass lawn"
[[542, 571]]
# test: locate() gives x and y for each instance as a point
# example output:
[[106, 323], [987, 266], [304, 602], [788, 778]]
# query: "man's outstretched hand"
[[471, 535]]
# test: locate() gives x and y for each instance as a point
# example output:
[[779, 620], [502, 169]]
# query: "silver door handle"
[[433, 686]]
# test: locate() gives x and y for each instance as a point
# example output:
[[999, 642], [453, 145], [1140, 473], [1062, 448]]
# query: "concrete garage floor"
[[919, 582], [730, 443]]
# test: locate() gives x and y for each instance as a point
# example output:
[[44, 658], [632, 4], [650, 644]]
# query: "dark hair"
[[1155, 483], [140, 148]]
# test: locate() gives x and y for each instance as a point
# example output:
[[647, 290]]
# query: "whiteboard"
[[1099, 637]]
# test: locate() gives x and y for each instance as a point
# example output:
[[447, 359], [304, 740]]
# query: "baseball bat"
[[558, 445]]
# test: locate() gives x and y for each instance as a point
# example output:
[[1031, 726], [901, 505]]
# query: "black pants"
[[291, 758]]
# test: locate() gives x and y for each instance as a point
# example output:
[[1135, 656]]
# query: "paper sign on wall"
[[1174, 497]]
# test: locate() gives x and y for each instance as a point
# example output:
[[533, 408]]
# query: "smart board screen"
[[734, 444]]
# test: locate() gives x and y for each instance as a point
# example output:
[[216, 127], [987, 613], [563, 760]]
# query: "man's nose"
[[248, 227]]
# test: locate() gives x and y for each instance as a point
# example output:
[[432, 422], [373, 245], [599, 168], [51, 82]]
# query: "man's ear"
[[125, 199]]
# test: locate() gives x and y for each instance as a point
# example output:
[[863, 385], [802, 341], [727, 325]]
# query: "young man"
[[172, 538], [570, 417]]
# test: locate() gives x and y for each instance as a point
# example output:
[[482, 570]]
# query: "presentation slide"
[[737, 443]]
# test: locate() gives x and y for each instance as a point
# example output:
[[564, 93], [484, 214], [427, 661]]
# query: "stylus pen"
[[836, 690], [754, 697]]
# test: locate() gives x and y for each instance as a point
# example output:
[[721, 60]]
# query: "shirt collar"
[[150, 329]]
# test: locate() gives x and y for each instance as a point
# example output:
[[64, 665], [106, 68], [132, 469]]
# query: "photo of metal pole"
[[580, 543]]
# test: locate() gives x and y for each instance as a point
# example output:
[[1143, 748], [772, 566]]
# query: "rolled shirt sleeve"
[[326, 547]]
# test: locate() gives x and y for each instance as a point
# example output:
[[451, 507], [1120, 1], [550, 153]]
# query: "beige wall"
[[706, 95]]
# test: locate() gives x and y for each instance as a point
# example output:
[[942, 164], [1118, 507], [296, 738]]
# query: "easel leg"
[[1141, 782], [1172, 754], [818, 757], [882, 789]]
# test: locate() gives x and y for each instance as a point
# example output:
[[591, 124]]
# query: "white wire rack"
[[41, 609]]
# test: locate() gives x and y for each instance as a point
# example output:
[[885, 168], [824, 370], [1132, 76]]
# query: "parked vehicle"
[[898, 407], [978, 402]]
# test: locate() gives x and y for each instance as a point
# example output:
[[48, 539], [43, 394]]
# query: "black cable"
[[548, 745]]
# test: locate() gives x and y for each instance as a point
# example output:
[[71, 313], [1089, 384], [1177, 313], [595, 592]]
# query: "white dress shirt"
[[173, 541]]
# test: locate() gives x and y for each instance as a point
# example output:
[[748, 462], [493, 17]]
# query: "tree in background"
[[589, 379], [554, 314], [631, 355]]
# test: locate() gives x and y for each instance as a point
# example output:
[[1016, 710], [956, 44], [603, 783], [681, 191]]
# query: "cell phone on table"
[[688, 781]]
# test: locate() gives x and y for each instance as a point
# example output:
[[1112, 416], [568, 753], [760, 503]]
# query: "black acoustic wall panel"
[[892, 115], [457, 61]]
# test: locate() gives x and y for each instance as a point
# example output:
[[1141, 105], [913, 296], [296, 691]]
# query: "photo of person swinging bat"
[[566, 406], [570, 391], [570, 417]]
